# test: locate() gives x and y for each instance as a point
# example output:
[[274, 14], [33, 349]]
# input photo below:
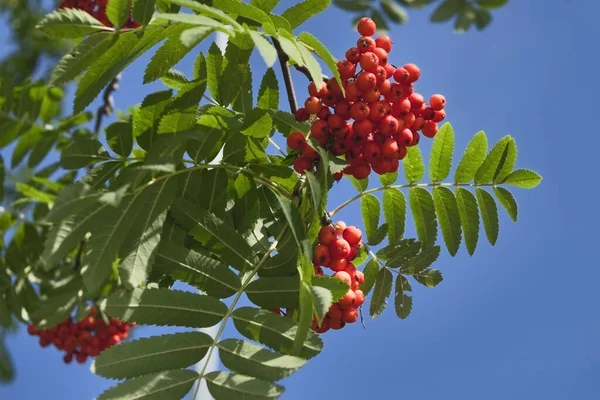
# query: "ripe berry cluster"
[[338, 246], [377, 119], [83, 339], [97, 9]]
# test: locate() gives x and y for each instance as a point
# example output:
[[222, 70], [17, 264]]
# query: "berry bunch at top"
[[338, 246], [83, 339], [97, 9], [379, 116]]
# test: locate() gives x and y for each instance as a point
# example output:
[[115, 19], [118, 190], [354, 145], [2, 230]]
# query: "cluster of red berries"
[[377, 119], [338, 246], [97, 9], [83, 339]]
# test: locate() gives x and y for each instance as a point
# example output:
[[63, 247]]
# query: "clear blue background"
[[518, 321]]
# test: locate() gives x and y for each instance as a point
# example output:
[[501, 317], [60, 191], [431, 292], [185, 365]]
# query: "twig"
[[106, 109], [287, 76]]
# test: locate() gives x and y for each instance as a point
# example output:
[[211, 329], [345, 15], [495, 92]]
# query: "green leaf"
[[214, 67], [276, 292], [381, 291], [252, 360], [236, 250], [360, 184], [117, 12], [205, 273], [482, 18], [400, 254], [56, 309], [336, 288], [423, 212], [371, 271], [429, 277], [323, 53], [137, 252], [166, 385], [353, 5], [380, 22], [7, 371], [445, 11], [34, 194], [70, 23], [448, 216], [286, 122], [235, 62], [402, 302], [523, 178], [265, 5], [394, 211], [175, 79], [371, 212], [311, 63], [166, 307], [499, 162], [227, 385], [508, 202], [2, 177], [119, 136], [208, 11], [265, 48], [379, 235], [421, 261], [153, 354], [274, 331], [442, 149], [469, 217], [257, 124], [302, 12], [268, 94], [294, 220], [388, 178], [489, 214], [491, 4], [147, 117], [242, 9], [394, 11], [128, 47], [143, 10], [472, 159], [83, 152], [414, 168]]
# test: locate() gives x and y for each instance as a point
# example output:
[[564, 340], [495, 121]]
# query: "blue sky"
[[517, 321]]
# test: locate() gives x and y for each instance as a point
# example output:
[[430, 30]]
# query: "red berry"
[[430, 129], [348, 299], [404, 137], [384, 42], [303, 164], [339, 227], [366, 80], [414, 72], [369, 61], [388, 126], [295, 140], [360, 278], [439, 116], [416, 139], [401, 75], [301, 115], [353, 235], [359, 111], [361, 171], [353, 55], [346, 69], [324, 112], [366, 27], [335, 312], [359, 298], [437, 102], [365, 43], [418, 124], [381, 54], [416, 101], [81, 357], [350, 315], [389, 148], [321, 255], [338, 265], [312, 105], [315, 91], [327, 235], [339, 248]]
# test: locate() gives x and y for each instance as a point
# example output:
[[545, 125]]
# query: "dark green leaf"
[[117, 11], [257, 124], [421, 261], [143, 10], [472, 159], [498, 163], [423, 212], [214, 67], [274, 331], [166, 385], [402, 301], [489, 215], [153, 354], [394, 11], [165, 307], [235, 62], [394, 210], [482, 18], [303, 11], [353, 5], [469, 217], [268, 94], [119, 136], [400, 254], [371, 213], [448, 216], [227, 385], [491, 4], [523, 178], [83, 152], [508, 202], [414, 168], [269, 293], [70, 23], [371, 271], [445, 11], [381, 291], [252, 360], [286, 122], [429, 277], [145, 120], [442, 149], [379, 235]]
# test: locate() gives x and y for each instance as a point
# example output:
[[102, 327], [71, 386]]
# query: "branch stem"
[[287, 76]]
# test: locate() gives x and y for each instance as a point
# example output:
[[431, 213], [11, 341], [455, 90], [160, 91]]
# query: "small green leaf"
[[257, 124], [394, 11], [360, 184], [323, 53], [414, 168], [2, 177], [445, 11], [302, 12], [388, 178], [394, 211], [274, 331], [423, 212], [166, 385], [403, 302], [83, 152], [266, 49], [153, 354], [482, 18], [442, 149], [489, 215], [429, 277], [268, 93], [279, 292], [491, 4], [166, 307], [227, 385], [371, 213], [71, 23], [381, 291], [147, 117], [252, 360], [398, 255], [379, 235], [421, 261], [508, 202], [353, 5], [472, 159], [448, 216], [498, 163], [117, 12], [469, 217], [143, 11], [371, 272], [242, 10], [214, 67], [265, 5], [523, 178], [119, 136]]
